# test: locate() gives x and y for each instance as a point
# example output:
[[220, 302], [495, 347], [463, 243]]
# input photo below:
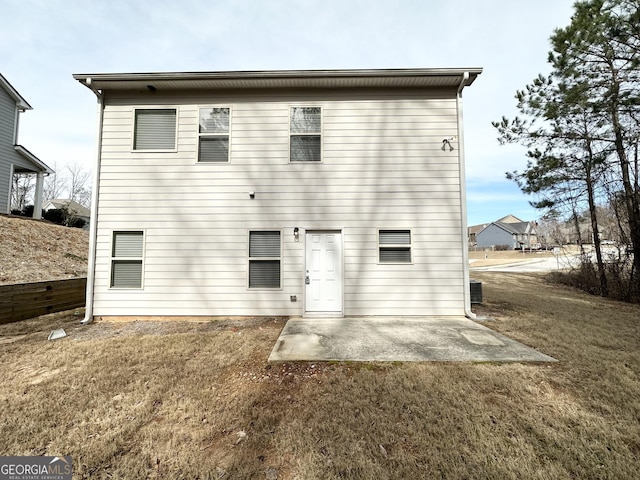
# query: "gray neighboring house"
[[513, 234], [15, 158]]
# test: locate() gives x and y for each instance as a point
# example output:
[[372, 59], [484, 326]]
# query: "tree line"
[[581, 127]]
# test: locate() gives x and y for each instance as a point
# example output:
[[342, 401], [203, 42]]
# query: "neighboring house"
[[509, 219], [509, 231], [15, 158], [472, 232], [282, 193], [74, 208]]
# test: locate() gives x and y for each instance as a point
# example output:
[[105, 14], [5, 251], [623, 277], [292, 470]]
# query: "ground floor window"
[[126, 259], [264, 259], [394, 246]]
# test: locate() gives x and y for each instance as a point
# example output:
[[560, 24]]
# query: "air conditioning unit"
[[475, 287]]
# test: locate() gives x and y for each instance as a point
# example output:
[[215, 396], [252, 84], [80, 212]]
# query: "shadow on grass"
[[192, 400]]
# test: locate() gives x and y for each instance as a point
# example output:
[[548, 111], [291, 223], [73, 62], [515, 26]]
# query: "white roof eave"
[[448, 78], [41, 166], [21, 103]]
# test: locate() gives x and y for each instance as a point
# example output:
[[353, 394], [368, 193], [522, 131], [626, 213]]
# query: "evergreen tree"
[[582, 122]]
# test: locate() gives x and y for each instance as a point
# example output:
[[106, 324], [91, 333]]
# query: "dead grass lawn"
[[36, 250], [198, 400]]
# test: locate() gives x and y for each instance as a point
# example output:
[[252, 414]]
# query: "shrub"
[[56, 215], [621, 280], [28, 211], [61, 216], [25, 212], [76, 222]]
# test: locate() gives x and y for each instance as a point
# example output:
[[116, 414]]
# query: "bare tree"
[[21, 191], [78, 184], [72, 182], [54, 186]]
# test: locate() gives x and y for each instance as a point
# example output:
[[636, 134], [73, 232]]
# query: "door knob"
[[307, 280]]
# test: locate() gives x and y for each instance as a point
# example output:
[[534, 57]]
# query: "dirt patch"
[[10, 339]]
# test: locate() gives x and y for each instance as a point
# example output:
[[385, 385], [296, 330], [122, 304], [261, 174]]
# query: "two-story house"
[[14, 158], [284, 193], [508, 232]]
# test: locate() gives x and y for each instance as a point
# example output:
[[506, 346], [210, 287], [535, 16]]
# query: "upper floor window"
[[213, 145], [155, 129], [305, 143]]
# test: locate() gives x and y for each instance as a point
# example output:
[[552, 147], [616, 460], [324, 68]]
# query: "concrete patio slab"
[[390, 339]]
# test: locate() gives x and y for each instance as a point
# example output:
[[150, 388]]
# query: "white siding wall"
[[382, 167]]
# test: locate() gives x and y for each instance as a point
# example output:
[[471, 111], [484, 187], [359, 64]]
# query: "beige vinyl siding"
[[382, 168]]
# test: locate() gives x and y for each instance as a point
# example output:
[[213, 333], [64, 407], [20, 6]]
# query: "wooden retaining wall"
[[26, 300]]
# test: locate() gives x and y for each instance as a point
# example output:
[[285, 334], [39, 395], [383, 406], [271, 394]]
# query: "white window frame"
[[228, 135], [155, 150], [113, 259], [250, 258], [310, 134], [391, 246]]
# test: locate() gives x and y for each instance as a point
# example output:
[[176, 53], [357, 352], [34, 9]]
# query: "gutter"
[[93, 226], [463, 203]]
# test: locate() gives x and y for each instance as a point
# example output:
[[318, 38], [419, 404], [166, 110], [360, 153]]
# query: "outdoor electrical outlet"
[[294, 298]]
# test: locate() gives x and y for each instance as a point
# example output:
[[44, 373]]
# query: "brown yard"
[[198, 400], [34, 251]]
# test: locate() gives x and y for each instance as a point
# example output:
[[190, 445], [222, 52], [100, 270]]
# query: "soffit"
[[406, 78]]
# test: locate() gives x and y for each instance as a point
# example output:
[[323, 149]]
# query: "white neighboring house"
[[15, 158], [73, 207], [286, 193]]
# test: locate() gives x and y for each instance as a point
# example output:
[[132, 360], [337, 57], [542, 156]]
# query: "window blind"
[[264, 259], [305, 143], [155, 129], [264, 274], [395, 246], [126, 274], [395, 255], [126, 263], [264, 244], [213, 149], [305, 148], [395, 237], [127, 244]]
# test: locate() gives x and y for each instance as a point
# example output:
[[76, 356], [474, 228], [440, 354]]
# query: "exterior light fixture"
[[447, 143], [296, 234]]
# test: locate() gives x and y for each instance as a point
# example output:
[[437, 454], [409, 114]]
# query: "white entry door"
[[323, 282]]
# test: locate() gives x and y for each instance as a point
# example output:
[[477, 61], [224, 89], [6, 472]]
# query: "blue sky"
[[47, 41]]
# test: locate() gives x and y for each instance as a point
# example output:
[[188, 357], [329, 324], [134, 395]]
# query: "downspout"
[[463, 203], [93, 226]]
